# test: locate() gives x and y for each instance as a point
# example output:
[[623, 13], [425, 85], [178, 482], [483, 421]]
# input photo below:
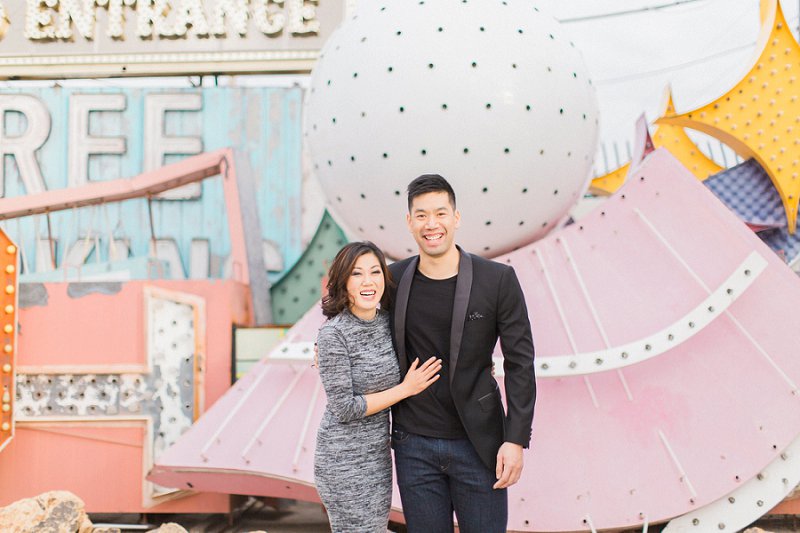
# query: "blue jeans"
[[439, 476]]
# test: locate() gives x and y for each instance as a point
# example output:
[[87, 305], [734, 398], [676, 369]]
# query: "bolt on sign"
[[8, 337], [98, 38]]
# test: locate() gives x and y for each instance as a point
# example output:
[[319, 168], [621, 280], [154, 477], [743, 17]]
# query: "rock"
[[57, 511], [170, 527]]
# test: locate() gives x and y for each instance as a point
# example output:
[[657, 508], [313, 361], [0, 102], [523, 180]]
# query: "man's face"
[[433, 222]]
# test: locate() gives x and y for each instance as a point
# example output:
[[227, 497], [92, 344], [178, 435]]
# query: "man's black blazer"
[[488, 304]]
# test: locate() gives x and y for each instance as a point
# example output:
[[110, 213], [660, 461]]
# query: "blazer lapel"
[[460, 302], [401, 305]]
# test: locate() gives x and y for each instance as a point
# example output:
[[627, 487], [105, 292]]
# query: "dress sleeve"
[[337, 376]]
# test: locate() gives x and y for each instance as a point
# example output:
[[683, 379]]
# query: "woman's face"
[[365, 286]]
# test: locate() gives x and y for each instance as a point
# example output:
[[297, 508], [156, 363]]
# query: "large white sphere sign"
[[490, 94]]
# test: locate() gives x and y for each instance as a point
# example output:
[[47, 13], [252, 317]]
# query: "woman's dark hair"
[[430, 183], [337, 299]]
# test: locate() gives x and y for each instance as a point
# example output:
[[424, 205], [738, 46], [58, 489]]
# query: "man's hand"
[[509, 465]]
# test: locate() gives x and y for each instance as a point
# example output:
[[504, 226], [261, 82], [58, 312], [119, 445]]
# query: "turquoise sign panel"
[[56, 138]]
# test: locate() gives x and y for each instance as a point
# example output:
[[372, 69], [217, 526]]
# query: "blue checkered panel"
[[782, 242], [747, 191]]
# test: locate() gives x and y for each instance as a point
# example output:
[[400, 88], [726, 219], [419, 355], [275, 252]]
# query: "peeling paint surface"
[[32, 294]]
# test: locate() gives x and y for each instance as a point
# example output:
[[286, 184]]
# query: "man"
[[456, 449]]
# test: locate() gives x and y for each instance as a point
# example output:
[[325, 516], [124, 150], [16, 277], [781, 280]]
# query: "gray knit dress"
[[353, 464]]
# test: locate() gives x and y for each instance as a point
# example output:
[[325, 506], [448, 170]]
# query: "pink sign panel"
[[666, 335]]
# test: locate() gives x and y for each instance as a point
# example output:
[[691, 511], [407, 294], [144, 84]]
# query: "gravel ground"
[[287, 516]]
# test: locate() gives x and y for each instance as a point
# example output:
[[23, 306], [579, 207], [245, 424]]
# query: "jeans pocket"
[[398, 437]]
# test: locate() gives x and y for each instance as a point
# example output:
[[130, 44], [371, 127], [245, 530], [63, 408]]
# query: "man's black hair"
[[430, 183]]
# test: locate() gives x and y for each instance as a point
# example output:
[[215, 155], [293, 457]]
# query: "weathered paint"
[[261, 124], [94, 387]]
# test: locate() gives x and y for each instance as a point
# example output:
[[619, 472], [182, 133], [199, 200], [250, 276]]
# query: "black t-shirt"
[[428, 320]]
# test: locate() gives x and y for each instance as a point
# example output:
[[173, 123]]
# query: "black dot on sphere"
[[355, 74], [381, 227], [329, 82], [352, 158], [363, 39], [544, 224], [483, 29], [385, 155], [506, 150], [584, 116], [329, 163], [314, 127], [513, 65], [541, 152], [524, 190], [333, 120], [488, 222], [316, 166], [439, 29], [390, 69], [488, 106], [555, 192], [486, 248], [383, 8], [519, 30], [295, 299], [466, 150], [551, 36], [409, 250], [549, 69], [561, 111], [521, 222], [397, 193], [399, 32], [430, 65], [444, 106], [402, 109], [485, 189], [569, 154], [338, 198], [474, 64], [423, 151], [528, 107], [363, 196], [574, 74], [363, 114], [361, 229]]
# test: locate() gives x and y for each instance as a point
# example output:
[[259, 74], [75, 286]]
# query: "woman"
[[358, 367]]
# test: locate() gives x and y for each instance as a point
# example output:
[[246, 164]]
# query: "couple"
[[434, 327]]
